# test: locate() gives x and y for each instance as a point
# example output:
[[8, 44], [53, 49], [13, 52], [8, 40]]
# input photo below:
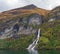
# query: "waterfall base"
[[32, 51], [32, 46]]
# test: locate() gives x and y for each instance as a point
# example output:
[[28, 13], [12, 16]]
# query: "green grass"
[[20, 43]]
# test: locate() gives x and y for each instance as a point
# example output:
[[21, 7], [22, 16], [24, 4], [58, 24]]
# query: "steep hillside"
[[9, 18], [50, 31], [22, 11], [18, 28], [54, 14], [50, 35]]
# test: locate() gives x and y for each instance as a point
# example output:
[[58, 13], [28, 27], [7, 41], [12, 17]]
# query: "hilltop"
[[22, 11]]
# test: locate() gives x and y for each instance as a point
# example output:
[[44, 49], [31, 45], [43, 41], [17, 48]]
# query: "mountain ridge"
[[18, 28], [31, 6], [21, 11]]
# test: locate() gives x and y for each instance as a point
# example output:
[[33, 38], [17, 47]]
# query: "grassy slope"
[[10, 14], [50, 36], [19, 43], [14, 14]]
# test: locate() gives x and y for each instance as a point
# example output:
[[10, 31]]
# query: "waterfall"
[[35, 42]]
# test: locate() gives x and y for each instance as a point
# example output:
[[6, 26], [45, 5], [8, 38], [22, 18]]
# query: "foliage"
[[50, 35], [19, 43]]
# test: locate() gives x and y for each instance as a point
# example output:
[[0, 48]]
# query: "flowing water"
[[32, 46], [31, 49]]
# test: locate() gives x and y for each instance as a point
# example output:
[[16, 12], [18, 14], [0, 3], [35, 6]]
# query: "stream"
[[31, 48]]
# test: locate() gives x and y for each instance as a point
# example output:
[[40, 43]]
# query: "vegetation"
[[16, 43], [50, 36], [50, 31]]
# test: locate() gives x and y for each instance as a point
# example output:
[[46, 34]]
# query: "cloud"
[[11, 4], [46, 4], [3, 5]]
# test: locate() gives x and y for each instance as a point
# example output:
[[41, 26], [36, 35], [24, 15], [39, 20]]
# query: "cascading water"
[[32, 46]]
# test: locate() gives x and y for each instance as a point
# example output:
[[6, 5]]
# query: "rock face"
[[25, 24], [22, 26], [35, 19], [15, 21], [55, 14]]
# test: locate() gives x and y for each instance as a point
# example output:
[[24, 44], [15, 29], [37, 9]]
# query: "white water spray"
[[32, 46]]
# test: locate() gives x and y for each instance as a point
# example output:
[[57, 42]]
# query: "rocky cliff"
[[25, 25], [26, 18], [18, 27]]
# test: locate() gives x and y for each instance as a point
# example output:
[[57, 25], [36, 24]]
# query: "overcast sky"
[[11, 4]]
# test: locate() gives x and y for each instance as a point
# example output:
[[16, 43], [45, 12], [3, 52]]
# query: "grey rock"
[[23, 26]]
